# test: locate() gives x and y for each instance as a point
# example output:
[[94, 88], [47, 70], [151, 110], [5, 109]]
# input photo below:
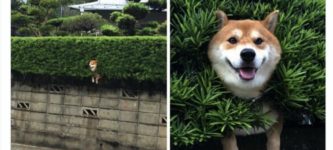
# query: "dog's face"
[[93, 65], [245, 53]]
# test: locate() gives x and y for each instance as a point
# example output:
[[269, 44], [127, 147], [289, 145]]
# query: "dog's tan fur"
[[270, 50], [93, 68]]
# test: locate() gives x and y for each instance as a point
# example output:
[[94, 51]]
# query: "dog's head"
[[245, 53], [93, 65]]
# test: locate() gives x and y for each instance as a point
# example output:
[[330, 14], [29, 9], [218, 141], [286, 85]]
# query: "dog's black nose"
[[247, 54]]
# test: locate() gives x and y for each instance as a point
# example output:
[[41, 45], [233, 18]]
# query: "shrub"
[[34, 2], [85, 22], [24, 31], [147, 31], [35, 11], [18, 19], [138, 10], [46, 29], [23, 8], [127, 23], [56, 22], [60, 33], [151, 24], [114, 15], [48, 4], [202, 108], [89, 21], [162, 28], [69, 24], [110, 30], [135, 58]]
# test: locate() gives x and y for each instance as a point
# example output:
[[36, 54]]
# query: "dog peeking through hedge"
[[244, 53], [93, 68]]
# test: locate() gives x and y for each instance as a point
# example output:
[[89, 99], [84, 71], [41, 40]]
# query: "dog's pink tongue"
[[247, 73]]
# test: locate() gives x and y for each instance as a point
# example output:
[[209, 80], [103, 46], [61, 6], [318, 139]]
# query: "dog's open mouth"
[[246, 72]]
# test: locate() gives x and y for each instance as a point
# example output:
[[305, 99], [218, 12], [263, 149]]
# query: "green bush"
[[85, 22], [23, 8], [138, 10], [135, 58], [46, 30], [151, 24], [201, 108], [56, 22], [110, 30], [19, 20], [24, 31], [69, 24], [127, 22], [114, 15], [162, 28], [48, 4], [60, 33], [35, 11], [147, 31], [34, 2]]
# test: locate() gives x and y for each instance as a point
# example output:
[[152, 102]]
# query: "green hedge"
[[202, 108], [134, 58]]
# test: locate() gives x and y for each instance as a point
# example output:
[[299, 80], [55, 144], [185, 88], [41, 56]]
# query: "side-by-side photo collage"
[[167, 75]]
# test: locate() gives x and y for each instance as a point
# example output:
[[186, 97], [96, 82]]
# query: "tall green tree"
[[137, 10], [38, 12]]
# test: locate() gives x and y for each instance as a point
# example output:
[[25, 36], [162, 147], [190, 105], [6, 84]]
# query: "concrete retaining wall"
[[83, 117]]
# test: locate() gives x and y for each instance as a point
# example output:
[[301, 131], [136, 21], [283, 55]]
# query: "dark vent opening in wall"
[[129, 93], [89, 112], [164, 120], [56, 88], [23, 105]]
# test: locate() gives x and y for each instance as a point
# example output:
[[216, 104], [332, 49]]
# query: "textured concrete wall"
[[69, 117]]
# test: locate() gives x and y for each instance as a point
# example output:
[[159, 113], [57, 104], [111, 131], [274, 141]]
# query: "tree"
[[19, 20], [15, 4], [85, 22], [110, 30], [127, 23], [162, 28], [38, 12], [56, 22], [138, 10], [114, 15]]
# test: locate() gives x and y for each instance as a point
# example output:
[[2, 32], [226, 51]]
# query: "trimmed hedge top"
[[139, 58]]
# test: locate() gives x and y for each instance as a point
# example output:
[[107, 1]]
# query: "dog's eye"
[[258, 41], [232, 40]]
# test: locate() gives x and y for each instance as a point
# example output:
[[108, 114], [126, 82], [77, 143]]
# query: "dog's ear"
[[222, 18], [271, 20]]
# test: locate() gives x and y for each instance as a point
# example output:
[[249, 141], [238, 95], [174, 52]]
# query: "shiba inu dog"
[[93, 68], [244, 53]]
